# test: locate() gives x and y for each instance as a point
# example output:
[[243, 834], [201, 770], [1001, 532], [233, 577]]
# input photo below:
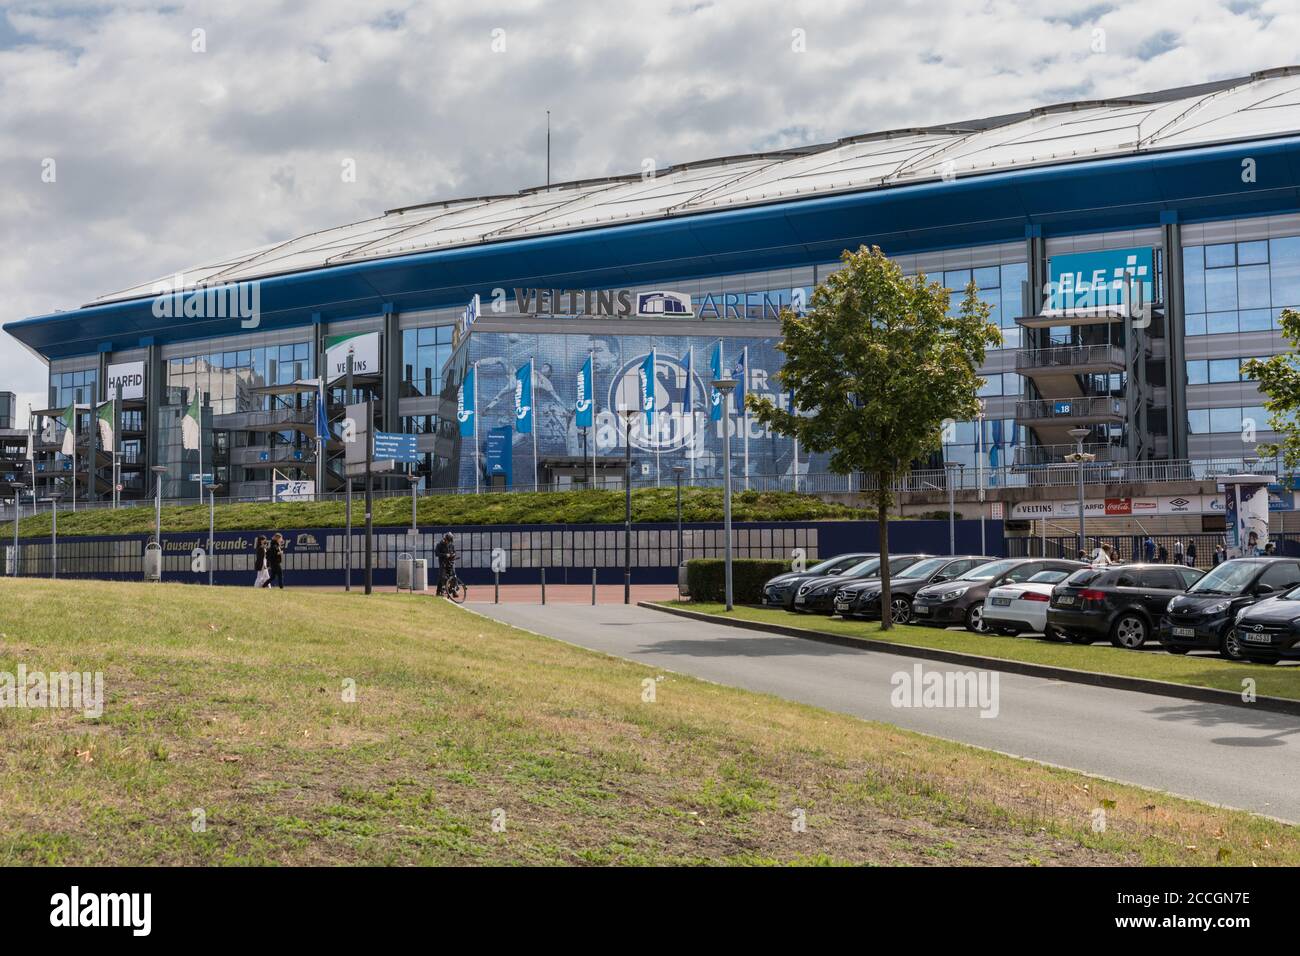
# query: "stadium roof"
[[1261, 106]]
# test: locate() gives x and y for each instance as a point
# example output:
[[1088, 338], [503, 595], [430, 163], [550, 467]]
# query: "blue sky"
[[167, 155]]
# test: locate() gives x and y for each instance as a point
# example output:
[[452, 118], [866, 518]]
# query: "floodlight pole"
[[1079, 434], [54, 535], [952, 467]]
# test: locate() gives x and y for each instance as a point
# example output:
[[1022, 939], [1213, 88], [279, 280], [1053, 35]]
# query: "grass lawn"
[[1151, 663], [230, 701], [551, 507]]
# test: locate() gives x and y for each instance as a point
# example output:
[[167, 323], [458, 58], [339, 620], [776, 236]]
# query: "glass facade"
[[1234, 287]]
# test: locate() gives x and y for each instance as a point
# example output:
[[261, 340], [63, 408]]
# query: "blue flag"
[[524, 399], [738, 373], [648, 391], [584, 406], [322, 417], [467, 403], [715, 397], [687, 404]]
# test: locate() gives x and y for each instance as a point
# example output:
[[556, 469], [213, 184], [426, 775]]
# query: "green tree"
[[1279, 379], [874, 369]]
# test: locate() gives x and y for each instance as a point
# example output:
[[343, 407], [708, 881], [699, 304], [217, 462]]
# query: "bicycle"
[[454, 589]]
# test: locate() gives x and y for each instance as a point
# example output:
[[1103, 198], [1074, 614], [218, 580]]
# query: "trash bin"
[[152, 562], [404, 568], [682, 588], [420, 575]]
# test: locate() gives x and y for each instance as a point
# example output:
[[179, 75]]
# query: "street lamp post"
[[54, 533], [414, 479], [628, 414], [212, 525], [677, 474], [1080, 458], [726, 386], [952, 468], [18, 487], [159, 471]]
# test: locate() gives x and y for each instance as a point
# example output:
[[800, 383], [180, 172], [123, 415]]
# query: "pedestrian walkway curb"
[[1143, 685]]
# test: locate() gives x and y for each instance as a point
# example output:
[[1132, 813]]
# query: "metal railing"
[[1069, 356], [1095, 406], [819, 483], [1028, 456]]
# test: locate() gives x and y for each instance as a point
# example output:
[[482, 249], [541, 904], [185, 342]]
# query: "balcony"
[[1070, 360], [1035, 456], [1090, 410], [274, 420]]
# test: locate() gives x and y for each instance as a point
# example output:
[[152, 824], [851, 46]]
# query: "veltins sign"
[[362, 346]]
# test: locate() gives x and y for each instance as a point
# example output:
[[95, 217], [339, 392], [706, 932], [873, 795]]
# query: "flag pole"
[[595, 424], [652, 388], [746, 418], [532, 412], [475, 455], [74, 456]]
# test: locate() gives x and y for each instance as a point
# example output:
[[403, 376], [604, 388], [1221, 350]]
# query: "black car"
[[861, 599], [1204, 616], [1269, 631], [818, 595], [1120, 603], [961, 601], [780, 590]]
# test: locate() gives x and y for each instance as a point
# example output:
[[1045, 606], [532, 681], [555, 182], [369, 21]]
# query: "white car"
[[1022, 608]]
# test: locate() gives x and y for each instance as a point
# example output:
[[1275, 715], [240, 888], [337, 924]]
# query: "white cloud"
[[168, 157]]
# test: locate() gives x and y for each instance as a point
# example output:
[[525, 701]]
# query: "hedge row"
[[706, 578]]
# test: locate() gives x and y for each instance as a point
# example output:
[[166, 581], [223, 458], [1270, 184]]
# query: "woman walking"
[[275, 561], [259, 561]]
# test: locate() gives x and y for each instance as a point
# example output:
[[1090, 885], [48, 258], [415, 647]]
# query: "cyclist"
[[445, 551]]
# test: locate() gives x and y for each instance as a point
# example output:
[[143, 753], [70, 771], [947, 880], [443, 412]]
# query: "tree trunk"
[[882, 516]]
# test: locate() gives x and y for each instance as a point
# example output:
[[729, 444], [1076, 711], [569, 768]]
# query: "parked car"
[[1269, 630], [1120, 603], [961, 601], [780, 590], [1205, 615], [1022, 608], [861, 599], [818, 595]]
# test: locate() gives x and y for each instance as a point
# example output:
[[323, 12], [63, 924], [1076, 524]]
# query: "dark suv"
[[819, 595], [961, 601], [779, 591], [1122, 604], [861, 599], [1204, 616]]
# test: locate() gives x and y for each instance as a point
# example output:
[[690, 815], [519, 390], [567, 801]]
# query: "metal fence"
[[1129, 547]]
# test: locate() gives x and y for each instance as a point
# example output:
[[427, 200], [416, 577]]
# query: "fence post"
[[543, 586], [593, 587], [496, 587]]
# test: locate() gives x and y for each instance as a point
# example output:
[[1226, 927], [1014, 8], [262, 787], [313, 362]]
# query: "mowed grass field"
[[1150, 663], [231, 702]]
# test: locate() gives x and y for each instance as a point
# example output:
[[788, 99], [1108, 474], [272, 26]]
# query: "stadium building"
[[1134, 252]]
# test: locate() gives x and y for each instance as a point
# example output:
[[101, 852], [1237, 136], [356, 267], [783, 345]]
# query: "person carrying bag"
[[259, 562]]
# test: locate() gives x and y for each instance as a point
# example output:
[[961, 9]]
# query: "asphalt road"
[[1226, 755]]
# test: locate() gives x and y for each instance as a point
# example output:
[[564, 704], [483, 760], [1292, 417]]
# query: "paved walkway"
[[1220, 754]]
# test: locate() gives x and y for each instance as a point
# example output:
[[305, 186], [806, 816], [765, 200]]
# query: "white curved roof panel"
[[1263, 105]]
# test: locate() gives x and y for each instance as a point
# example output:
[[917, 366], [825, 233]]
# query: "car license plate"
[[1065, 599], [920, 609], [1257, 638], [1002, 602], [1184, 632]]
